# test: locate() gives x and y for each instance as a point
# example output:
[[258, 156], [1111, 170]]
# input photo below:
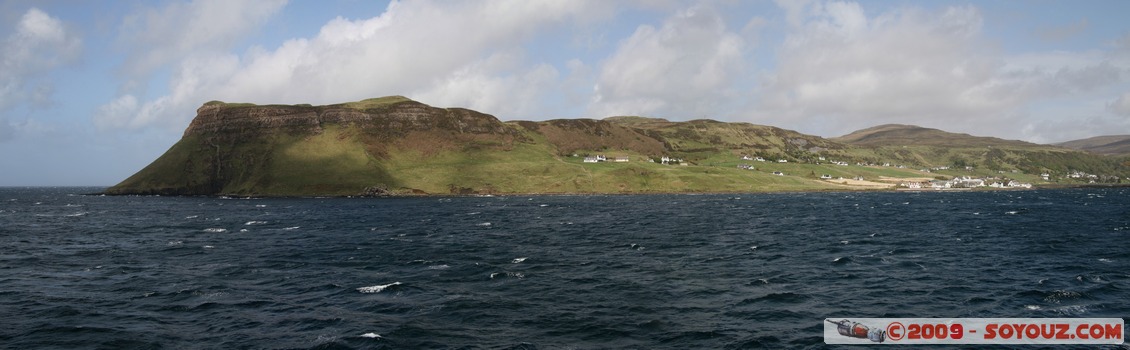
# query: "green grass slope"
[[395, 146]]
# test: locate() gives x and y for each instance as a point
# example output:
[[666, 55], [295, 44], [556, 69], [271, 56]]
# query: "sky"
[[92, 91]]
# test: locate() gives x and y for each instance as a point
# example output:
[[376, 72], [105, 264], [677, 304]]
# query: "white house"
[[590, 160]]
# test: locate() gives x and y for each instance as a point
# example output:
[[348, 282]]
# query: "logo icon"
[[858, 330]]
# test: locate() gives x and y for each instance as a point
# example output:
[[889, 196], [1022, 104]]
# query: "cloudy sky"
[[92, 91]]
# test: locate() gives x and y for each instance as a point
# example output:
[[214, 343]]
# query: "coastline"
[[644, 193]]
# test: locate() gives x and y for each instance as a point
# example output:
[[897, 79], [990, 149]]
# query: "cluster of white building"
[[966, 182], [602, 158]]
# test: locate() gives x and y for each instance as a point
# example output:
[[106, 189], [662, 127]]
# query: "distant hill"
[[898, 135], [910, 144], [1109, 145], [397, 146]]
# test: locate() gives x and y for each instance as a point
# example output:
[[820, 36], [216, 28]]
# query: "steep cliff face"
[[293, 150], [394, 118]]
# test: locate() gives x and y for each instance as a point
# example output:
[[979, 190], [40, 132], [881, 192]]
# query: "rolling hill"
[[899, 135], [1108, 145]]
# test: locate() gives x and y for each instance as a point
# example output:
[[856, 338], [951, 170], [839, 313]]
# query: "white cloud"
[[117, 113], [460, 52], [686, 67], [159, 36], [488, 85], [193, 38], [1120, 105], [39, 43], [842, 65], [840, 70]]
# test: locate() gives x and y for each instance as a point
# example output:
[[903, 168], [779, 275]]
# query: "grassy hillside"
[[395, 146], [897, 134], [1108, 145], [967, 155]]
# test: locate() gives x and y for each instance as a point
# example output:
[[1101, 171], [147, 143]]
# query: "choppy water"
[[665, 271]]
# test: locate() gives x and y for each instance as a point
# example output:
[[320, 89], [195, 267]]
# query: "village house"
[[826, 177], [1017, 184], [596, 159]]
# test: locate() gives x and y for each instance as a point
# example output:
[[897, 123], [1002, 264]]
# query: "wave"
[[518, 260], [249, 223], [518, 275], [377, 288], [842, 260], [215, 230]]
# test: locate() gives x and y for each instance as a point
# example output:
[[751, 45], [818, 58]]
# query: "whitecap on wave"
[[249, 223], [371, 335], [507, 274], [215, 230], [518, 260], [377, 288], [485, 224]]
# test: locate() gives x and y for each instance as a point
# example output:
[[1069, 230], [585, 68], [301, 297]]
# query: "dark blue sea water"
[[521, 272]]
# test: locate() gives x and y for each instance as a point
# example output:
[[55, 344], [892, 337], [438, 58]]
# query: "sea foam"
[[377, 288]]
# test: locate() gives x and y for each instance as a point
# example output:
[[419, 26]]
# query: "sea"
[[719, 271]]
